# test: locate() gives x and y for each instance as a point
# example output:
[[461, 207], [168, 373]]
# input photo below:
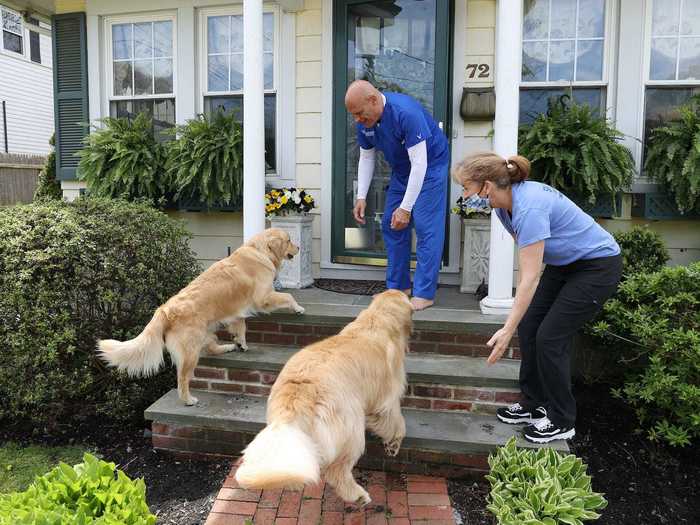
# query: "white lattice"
[[475, 262]]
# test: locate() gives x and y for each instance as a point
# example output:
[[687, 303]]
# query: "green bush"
[[205, 163], [124, 160], [577, 152], [643, 250], [540, 487], [654, 325], [90, 493], [48, 187], [71, 273], [673, 157]]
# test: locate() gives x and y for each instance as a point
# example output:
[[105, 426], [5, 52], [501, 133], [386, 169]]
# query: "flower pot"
[[475, 259], [297, 272]]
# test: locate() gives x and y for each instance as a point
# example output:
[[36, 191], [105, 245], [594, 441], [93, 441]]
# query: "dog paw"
[[363, 500], [392, 447], [243, 347], [191, 401], [299, 309]]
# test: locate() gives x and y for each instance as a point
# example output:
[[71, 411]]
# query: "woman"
[[583, 269]]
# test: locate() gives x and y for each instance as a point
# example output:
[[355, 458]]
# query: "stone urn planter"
[[475, 258], [296, 273]]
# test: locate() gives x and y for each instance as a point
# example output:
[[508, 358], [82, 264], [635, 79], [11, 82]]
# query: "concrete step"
[[436, 382], [436, 443]]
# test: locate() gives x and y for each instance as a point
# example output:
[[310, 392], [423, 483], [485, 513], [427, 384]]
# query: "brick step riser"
[[207, 443], [300, 335], [451, 398]]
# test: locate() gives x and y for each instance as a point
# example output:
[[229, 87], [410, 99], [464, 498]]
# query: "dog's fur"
[[324, 397], [224, 294]]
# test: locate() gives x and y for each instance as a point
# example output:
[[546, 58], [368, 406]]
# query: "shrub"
[[673, 157], [205, 163], [540, 487], [643, 250], [48, 187], [92, 492], [654, 324], [577, 152], [71, 273], [124, 160]]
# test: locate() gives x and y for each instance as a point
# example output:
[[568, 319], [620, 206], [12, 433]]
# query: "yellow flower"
[[284, 200], [308, 199]]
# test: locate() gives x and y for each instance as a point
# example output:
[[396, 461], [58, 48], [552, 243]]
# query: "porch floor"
[[447, 297]]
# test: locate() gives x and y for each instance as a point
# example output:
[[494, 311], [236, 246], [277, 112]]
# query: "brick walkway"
[[397, 499]]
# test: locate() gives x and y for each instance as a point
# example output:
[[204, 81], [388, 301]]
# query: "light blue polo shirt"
[[542, 213], [404, 124]]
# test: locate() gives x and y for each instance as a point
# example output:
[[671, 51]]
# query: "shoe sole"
[[528, 421], [566, 435]]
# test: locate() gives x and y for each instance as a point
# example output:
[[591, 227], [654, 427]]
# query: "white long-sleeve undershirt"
[[417, 154]]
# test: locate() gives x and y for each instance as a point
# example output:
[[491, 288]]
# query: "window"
[[222, 76], [673, 73], [35, 47], [12, 31], [564, 49], [142, 71]]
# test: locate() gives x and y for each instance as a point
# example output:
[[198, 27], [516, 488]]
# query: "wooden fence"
[[19, 175]]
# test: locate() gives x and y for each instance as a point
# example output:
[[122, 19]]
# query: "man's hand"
[[359, 211], [400, 219], [499, 342]]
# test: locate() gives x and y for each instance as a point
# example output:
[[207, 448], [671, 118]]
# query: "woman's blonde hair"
[[480, 167]]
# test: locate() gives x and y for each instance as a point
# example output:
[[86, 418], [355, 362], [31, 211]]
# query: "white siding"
[[27, 89]]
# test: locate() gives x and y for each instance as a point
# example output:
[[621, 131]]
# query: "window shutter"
[[70, 84]]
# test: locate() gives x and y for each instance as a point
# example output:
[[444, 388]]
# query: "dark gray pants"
[[566, 298]]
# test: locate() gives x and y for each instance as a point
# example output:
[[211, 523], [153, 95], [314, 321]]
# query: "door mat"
[[350, 286]]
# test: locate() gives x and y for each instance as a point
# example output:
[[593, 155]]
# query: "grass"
[[19, 465]]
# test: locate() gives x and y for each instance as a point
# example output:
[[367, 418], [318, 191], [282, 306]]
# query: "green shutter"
[[70, 85]]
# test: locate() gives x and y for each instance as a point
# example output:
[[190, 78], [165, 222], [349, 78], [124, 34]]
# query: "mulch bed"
[[645, 484]]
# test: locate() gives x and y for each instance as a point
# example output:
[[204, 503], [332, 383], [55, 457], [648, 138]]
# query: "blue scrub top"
[[405, 123], [542, 213]]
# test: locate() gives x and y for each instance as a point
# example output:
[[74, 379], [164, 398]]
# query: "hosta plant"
[[92, 492], [673, 157], [205, 163], [123, 159], [540, 487], [574, 150]]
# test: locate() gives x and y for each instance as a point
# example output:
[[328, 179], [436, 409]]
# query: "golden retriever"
[[225, 294], [323, 398]]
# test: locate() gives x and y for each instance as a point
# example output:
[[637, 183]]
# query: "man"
[[417, 150]]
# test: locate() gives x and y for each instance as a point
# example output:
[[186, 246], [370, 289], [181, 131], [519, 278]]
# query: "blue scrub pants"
[[428, 218]]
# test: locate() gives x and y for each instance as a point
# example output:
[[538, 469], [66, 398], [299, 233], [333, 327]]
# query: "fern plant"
[[572, 149], [124, 160], [206, 161], [673, 157]]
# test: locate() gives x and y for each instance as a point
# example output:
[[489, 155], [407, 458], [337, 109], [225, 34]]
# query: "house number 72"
[[483, 70]]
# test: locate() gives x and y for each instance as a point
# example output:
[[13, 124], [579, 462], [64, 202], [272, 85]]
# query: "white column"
[[253, 120], [505, 143], [185, 96]]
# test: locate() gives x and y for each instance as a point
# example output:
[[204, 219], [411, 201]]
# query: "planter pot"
[[475, 259], [296, 273]]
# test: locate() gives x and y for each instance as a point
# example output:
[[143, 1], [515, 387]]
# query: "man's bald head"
[[364, 102]]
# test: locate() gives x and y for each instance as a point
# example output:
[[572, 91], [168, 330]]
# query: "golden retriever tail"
[[281, 456], [140, 356]]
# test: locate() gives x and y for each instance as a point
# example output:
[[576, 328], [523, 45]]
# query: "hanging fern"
[[123, 159], [673, 157], [206, 161], [572, 149]]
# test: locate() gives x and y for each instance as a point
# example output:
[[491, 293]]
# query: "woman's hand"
[[499, 342]]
